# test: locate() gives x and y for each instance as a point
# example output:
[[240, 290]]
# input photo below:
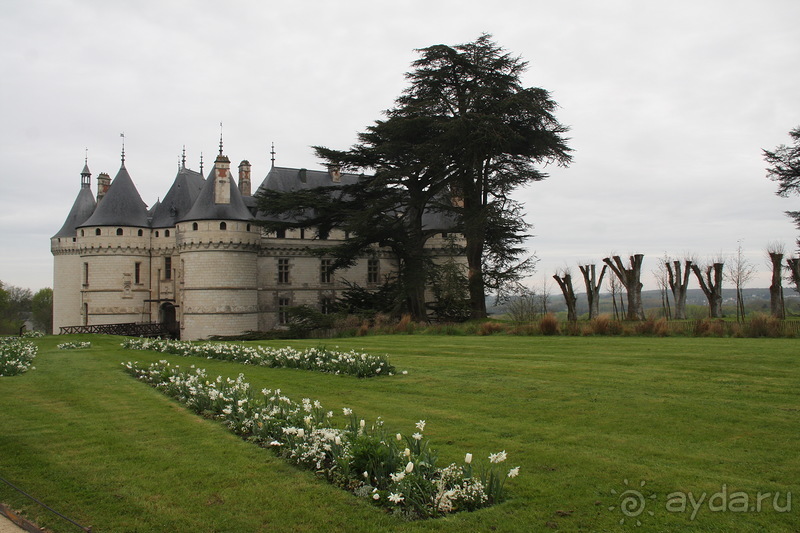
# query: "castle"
[[196, 261]]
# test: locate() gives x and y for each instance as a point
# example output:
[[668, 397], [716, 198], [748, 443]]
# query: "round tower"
[[218, 252], [114, 248], [65, 247]]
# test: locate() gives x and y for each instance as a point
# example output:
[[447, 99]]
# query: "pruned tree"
[[631, 280], [775, 253], [784, 168], [593, 285], [678, 279], [615, 289], [739, 272], [711, 286], [564, 280]]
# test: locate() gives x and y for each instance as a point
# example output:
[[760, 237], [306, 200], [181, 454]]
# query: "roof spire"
[[220, 138], [201, 163], [123, 148], [272, 152], [86, 175], [183, 157]]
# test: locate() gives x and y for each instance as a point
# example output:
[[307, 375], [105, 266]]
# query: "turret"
[[244, 178]]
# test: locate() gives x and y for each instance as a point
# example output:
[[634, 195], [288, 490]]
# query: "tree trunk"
[[593, 288], [794, 271], [631, 280], [712, 288], [775, 289], [679, 283], [569, 295]]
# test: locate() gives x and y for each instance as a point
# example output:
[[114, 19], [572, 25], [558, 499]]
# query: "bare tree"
[[712, 287], [739, 272], [544, 296], [631, 280], [678, 284], [564, 280], [615, 288], [775, 251], [593, 288], [524, 307], [662, 280]]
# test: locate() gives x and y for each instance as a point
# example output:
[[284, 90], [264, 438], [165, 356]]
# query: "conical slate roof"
[[205, 208], [81, 210], [179, 199], [121, 206]]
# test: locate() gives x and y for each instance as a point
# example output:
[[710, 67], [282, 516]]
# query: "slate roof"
[[179, 199], [81, 210], [205, 208], [121, 205]]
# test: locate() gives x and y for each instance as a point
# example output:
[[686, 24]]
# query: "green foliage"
[[16, 356], [357, 300], [304, 319], [42, 309]]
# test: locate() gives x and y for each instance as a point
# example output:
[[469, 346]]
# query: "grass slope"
[[579, 415]]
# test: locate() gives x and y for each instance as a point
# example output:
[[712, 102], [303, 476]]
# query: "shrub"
[[16, 356], [549, 325], [651, 326], [601, 325], [709, 328], [762, 325], [489, 328]]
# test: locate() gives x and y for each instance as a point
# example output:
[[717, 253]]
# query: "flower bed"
[[320, 359], [74, 345], [396, 471], [16, 356]]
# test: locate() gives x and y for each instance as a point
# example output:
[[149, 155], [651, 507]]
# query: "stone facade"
[[196, 261]]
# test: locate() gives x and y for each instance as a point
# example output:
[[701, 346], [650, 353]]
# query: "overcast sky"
[[669, 104]]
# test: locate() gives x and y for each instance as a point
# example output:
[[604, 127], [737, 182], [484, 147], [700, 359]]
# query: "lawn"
[[586, 418]]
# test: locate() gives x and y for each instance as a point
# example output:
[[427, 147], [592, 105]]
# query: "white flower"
[[405, 372], [409, 467], [365, 474], [468, 458], [362, 423], [497, 457], [301, 433], [396, 478], [399, 437], [347, 411], [420, 425], [417, 436], [275, 443], [514, 472], [396, 498], [376, 496], [337, 440], [407, 452]]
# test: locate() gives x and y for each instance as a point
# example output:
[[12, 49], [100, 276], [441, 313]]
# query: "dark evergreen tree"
[[784, 168]]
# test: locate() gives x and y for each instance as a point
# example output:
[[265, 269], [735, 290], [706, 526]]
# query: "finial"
[[86, 156], [220, 138], [183, 157], [201, 163], [272, 152], [123, 147]]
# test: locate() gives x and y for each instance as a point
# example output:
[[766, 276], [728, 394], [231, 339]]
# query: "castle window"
[[283, 310], [166, 233], [248, 227], [82, 234], [283, 271], [97, 231], [137, 273], [326, 305], [86, 274], [194, 226], [325, 270], [156, 233], [140, 233], [223, 225], [168, 267], [119, 231], [373, 271], [302, 233], [444, 235], [280, 234], [74, 239]]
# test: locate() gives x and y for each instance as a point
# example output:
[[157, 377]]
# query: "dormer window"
[[97, 231], [223, 226], [119, 231]]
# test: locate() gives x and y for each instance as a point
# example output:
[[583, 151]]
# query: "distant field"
[[586, 418]]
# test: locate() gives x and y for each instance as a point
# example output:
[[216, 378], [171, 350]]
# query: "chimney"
[[244, 178], [336, 174], [222, 176], [103, 183]]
